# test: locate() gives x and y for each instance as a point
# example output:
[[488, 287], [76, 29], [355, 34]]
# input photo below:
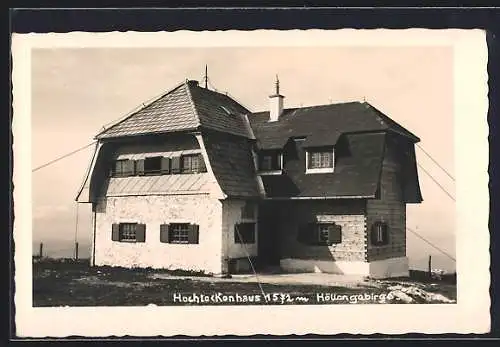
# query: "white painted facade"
[[154, 211]]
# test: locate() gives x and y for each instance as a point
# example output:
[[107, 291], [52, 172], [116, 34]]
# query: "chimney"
[[276, 103]]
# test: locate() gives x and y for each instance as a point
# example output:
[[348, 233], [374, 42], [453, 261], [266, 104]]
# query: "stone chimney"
[[276, 103]]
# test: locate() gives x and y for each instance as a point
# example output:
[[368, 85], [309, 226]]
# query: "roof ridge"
[[187, 86], [312, 106], [135, 111]]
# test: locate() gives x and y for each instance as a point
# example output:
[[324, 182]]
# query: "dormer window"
[[320, 159], [270, 162]]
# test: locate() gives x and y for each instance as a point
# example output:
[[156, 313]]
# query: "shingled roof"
[[322, 124], [185, 107], [356, 175]]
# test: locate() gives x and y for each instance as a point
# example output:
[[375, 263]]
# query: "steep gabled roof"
[[185, 107], [356, 175], [318, 121]]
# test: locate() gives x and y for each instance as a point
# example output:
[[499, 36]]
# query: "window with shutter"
[[128, 232], [320, 234], [152, 165], [379, 234], [179, 232]]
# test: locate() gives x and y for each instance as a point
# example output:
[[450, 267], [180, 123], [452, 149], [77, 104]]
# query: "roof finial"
[[206, 76], [277, 85]]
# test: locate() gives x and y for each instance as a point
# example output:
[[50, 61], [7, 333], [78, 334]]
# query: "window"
[[152, 165], [320, 234], [320, 158], [244, 233], [193, 163], [380, 234], [129, 232], [123, 168], [179, 233], [270, 160]]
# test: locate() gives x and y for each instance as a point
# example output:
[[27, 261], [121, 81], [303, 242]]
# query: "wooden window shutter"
[[139, 167], [165, 165], [115, 232], [164, 233], [175, 165], [385, 234], [140, 235], [203, 167], [193, 233], [129, 168], [373, 234], [334, 234]]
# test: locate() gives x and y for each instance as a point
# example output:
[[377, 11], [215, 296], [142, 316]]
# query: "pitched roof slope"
[[232, 163], [312, 121], [355, 175], [185, 107], [171, 112]]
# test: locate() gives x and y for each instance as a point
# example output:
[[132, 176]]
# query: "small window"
[[123, 168], [179, 233], [193, 163], [244, 233], [270, 161], [320, 234], [152, 165], [380, 234], [248, 210], [129, 232], [321, 158]]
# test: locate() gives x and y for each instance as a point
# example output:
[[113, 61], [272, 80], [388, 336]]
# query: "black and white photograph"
[[229, 173]]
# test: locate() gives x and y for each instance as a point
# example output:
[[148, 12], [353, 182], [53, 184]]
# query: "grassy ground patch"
[[69, 283]]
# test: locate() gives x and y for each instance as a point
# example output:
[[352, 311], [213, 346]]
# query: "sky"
[[75, 92]]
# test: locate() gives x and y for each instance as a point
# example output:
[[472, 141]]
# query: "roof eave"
[[186, 130]]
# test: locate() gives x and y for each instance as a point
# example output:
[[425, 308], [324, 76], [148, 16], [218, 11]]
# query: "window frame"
[[379, 228], [152, 172], [121, 172], [243, 240], [200, 168], [122, 231], [313, 234], [184, 237], [274, 156], [320, 150]]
